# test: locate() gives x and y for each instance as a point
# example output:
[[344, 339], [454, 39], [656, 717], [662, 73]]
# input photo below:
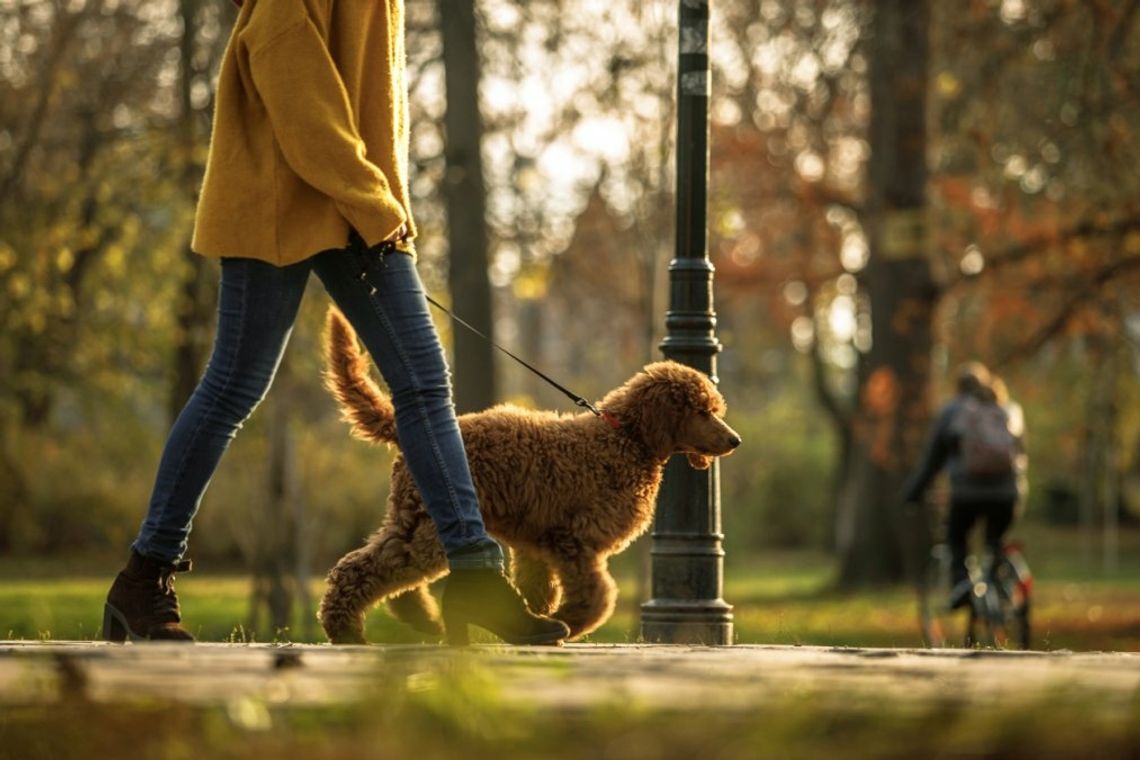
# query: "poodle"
[[563, 492]]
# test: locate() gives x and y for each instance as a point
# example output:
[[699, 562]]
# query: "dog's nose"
[[734, 441]]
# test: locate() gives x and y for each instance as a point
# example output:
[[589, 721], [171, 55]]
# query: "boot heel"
[[455, 627], [114, 626], [484, 597]]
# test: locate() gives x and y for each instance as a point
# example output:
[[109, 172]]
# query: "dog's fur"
[[563, 492]]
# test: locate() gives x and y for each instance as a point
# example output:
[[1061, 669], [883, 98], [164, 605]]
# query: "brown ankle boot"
[[142, 604], [484, 597]]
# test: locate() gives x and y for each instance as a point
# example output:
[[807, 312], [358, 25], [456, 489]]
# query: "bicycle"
[[997, 611]]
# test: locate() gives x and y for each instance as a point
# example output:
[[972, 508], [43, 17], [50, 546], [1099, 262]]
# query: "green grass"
[[216, 608], [779, 598]]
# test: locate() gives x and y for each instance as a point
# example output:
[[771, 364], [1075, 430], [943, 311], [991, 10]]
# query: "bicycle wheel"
[[1000, 611], [939, 626], [989, 626], [986, 627]]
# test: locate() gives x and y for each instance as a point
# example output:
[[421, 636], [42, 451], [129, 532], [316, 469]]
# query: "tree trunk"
[[279, 565], [281, 549], [1100, 469], [191, 337], [44, 357], [892, 407], [465, 196], [13, 482]]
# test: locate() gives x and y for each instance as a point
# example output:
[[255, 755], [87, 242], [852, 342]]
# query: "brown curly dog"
[[562, 491]]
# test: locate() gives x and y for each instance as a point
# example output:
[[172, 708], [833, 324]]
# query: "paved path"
[[587, 676]]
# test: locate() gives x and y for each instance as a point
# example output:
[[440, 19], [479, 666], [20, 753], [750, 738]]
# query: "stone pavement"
[[588, 676]]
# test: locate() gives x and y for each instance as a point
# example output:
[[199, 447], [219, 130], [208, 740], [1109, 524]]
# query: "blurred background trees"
[[896, 187]]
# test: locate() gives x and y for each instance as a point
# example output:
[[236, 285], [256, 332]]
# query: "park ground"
[[65, 700], [815, 672]]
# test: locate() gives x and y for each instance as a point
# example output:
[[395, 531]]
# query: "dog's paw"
[[346, 637]]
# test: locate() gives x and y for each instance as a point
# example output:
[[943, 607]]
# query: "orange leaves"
[[881, 392], [875, 426]]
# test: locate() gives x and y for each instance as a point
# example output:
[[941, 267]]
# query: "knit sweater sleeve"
[[313, 124], [934, 456]]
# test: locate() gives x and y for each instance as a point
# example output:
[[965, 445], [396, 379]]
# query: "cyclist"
[[976, 491]]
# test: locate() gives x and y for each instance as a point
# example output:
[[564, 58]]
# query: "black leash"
[[359, 248], [578, 400]]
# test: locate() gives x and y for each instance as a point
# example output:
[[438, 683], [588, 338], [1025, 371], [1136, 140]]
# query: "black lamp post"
[[688, 558]]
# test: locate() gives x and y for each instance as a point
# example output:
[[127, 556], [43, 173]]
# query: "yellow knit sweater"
[[310, 131]]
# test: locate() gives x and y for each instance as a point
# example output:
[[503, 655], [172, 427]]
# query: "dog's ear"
[[651, 410], [699, 461]]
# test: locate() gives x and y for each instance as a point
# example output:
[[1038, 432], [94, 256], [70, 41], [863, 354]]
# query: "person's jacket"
[[310, 131], [942, 450]]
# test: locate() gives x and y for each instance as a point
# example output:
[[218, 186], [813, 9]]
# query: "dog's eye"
[[704, 412]]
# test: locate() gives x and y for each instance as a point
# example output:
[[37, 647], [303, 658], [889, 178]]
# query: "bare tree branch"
[[1085, 230], [1079, 298], [61, 42], [1123, 27]]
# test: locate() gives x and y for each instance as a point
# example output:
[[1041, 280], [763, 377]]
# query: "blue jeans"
[[257, 306], [964, 515]]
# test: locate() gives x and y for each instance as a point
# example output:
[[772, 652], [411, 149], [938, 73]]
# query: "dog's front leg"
[[535, 580], [589, 594]]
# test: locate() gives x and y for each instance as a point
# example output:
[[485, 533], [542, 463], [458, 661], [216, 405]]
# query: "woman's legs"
[[257, 305], [389, 310]]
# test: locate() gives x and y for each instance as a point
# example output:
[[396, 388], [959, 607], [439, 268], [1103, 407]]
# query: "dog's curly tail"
[[362, 404]]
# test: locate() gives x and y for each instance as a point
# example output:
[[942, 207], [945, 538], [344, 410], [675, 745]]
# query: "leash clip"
[[611, 419]]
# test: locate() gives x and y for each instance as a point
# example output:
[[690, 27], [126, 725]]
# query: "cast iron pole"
[[688, 558]]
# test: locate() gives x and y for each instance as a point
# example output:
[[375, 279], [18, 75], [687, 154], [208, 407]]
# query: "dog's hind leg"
[[536, 581], [402, 555], [417, 608], [589, 594]]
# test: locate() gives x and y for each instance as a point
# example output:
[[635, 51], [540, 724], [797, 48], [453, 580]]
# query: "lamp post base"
[[677, 621]]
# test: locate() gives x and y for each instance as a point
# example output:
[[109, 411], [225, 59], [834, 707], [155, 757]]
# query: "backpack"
[[987, 448]]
